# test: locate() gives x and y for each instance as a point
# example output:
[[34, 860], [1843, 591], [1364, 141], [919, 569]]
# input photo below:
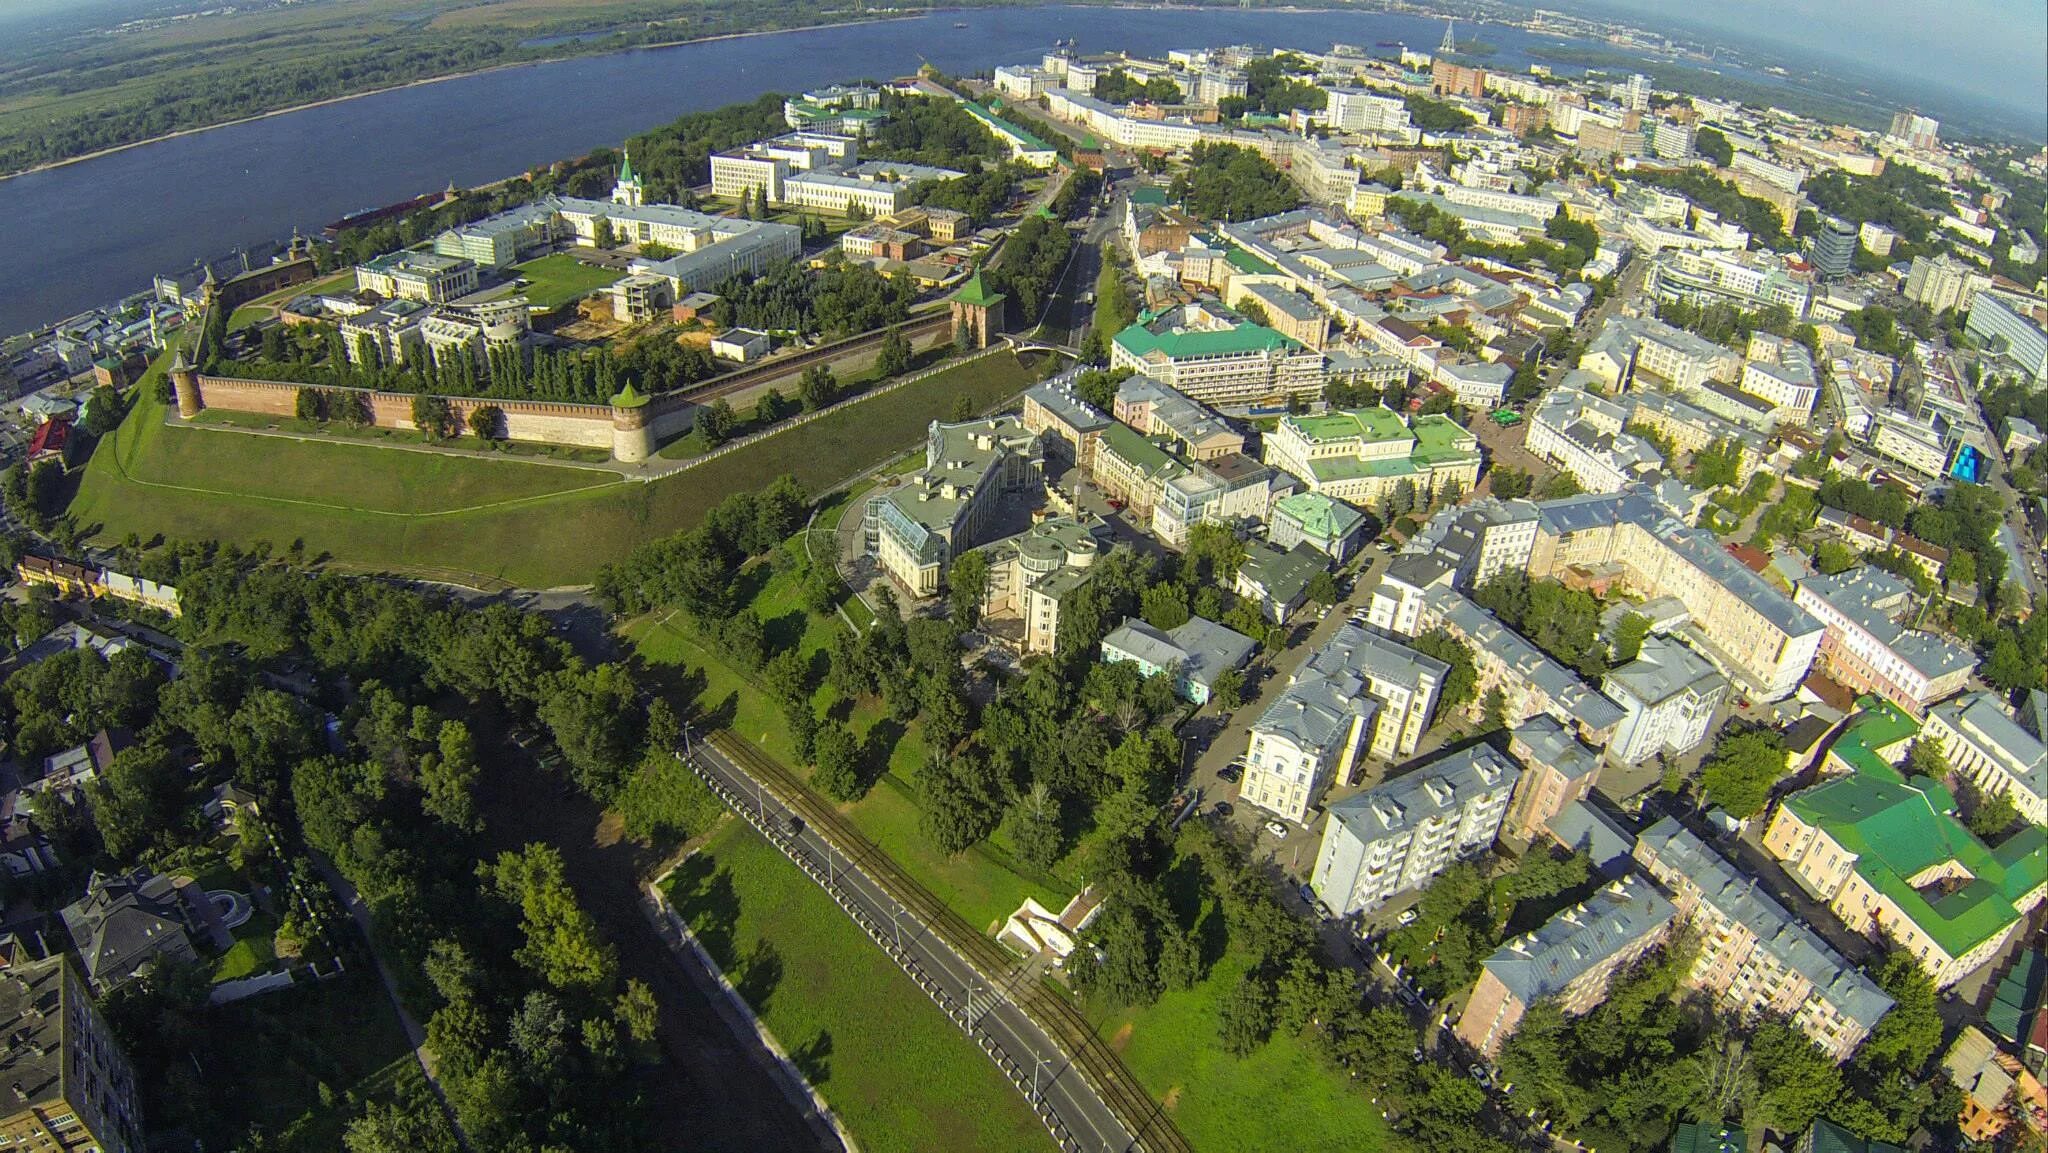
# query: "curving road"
[[1082, 1093]]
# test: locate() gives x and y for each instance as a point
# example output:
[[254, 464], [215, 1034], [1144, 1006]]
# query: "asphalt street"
[[983, 1004]]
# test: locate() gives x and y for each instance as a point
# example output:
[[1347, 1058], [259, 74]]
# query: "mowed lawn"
[[561, 278], [1283, 1096], [268, 1059], [898, 1073], [484, 522]]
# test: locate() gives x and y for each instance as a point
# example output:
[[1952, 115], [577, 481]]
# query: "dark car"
[[1221, 808], [794, 824], [1230, 774]]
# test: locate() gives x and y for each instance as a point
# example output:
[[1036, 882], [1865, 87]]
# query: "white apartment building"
[[1397, 836], [1780, 373], [1360, 693], [1943, 282], [1785, 176], [1398, 600], [1361, 110], [1403, 681], [1627, 347], [1991, 751], [1308, 737], [1583, 435], [1668, 695]]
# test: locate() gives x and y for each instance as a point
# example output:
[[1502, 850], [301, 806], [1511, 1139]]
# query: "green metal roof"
[[629, 397], [1319, 516], [1003, 127], [1374, 425], [975, 292], [1244, 261], [1149, 194], [1898, 828], [1864, 745], [1692, 1138], [1140, 341], [1126, 443], [1829, 1137]]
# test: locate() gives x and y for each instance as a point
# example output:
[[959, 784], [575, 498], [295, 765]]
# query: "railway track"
[[1054, 1014]]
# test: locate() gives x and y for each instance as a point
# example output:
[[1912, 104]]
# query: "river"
[[86, 234]]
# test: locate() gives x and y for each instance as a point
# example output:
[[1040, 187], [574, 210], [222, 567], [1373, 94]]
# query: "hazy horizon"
[[1925, 51]]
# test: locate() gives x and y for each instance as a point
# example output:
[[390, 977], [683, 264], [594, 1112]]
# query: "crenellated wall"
[[538, 421]]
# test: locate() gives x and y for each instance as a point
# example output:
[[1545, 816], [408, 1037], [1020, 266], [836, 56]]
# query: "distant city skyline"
[[1928, 51]]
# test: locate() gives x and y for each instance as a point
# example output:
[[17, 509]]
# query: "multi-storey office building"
[[916, 528], [1668, 696]]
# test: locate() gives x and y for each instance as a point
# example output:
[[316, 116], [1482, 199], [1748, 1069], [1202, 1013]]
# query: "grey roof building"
[[1996, 754], [1571, 958], [1868, 649], [1277, 580], [1405, 683], [1668, 695], [1755, 957], [1584, 827], [123, 923], [1397, 835], [1195, 653], [1531, 682]]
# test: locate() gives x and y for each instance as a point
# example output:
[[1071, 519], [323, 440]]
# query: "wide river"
[[86, 234]]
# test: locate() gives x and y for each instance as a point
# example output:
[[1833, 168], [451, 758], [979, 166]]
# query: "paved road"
[[985, 1003], [1228, 736]]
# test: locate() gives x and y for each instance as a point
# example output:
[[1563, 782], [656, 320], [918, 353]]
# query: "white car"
[[1406, 918], [1278, 830]]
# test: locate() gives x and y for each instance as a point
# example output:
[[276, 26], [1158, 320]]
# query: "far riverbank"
[[426, 80]]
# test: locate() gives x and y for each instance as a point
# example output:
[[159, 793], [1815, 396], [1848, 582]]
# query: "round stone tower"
[[632, 438], [185, 383]]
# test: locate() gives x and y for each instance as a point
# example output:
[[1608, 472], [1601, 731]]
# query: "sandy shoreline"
[[253, 117]]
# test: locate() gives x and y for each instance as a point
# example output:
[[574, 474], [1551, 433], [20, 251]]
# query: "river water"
[[87, 234]]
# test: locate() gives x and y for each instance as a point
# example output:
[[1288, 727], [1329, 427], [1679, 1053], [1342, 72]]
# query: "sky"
[[1992, 51]]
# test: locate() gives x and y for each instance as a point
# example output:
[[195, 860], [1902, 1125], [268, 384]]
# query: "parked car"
[[1221, 808], [1231, 773], [1406, 918], [1278, 830]]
